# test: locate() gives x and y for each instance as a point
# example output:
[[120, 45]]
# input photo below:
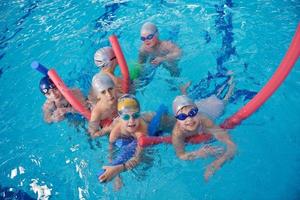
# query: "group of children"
[[120, 116]]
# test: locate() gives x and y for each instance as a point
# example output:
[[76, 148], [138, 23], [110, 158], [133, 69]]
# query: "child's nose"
[[109, 94]]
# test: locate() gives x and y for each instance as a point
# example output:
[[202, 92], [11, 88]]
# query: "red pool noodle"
[[276, 80], [122, 63], [67, 93], [150, 140]]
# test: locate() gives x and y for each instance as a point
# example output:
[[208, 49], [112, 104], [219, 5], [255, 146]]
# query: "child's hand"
[[208, 150], [118, 184], [99, 133], [58, 115], [157, 60], [69, 110], [183, 88], [210, 170], [110, 172]]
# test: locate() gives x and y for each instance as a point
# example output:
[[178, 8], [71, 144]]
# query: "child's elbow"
[[182, 156]]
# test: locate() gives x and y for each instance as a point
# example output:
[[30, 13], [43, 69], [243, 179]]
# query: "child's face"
[[150, 39], [108, 96], [130, 121], [53, 94], [191, 123]]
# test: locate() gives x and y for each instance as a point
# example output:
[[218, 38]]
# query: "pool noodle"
[[145, 141], [39, 67], [272, 85], [122, 62]]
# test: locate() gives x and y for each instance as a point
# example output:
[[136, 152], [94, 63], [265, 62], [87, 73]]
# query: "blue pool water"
[[246, 37]]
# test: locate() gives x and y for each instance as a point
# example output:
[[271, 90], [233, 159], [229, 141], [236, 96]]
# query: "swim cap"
[[104, 57], [149, 27], [102, 81], [128, 102], [180, 102], [46, 84]]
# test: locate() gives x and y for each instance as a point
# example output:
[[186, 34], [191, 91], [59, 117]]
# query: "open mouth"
[[131, 125], [190, 124]]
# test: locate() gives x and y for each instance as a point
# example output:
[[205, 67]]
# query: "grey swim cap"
[[104, 57], [180, 102], [149, 27], [102, 81]]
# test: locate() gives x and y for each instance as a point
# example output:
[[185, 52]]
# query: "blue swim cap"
[[46, 84]]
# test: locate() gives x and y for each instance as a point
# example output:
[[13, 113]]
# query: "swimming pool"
[[249, 38]]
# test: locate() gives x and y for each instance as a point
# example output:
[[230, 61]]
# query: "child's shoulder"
[[206, 121], [167, 44]]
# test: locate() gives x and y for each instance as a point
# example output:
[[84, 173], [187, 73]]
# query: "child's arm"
[[221, 135], [115, 133], [112, 171], [178, 143], [143, 56], [132, 162], [94, 127], [51, 114], [77, 93], [174, 51], [117, 81], [183, 88]]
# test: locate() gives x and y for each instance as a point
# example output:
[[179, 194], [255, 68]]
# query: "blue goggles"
[[148, 37], [126, 117], [46, 90], [192, 113]]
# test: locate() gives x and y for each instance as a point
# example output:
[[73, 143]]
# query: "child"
[[129, 125], [56, 106], [157, 51], [190, 122], [104, 105]]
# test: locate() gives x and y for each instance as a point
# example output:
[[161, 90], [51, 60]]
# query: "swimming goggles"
[[101, 63], [126, 117], [47, 90], [192, 113], [148, 37]]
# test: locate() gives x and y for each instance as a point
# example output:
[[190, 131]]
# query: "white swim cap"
[[180, 102], [102, 81], [104, 57], [149, 28]]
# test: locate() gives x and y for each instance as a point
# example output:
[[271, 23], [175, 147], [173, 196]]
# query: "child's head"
[[104, 88], [185, 111], [48, 88], [129, 112], [149, 34], [105, 57]]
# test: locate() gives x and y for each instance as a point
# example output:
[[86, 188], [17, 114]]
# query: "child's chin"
[[150, 45], [190, 128], [131, 129]]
